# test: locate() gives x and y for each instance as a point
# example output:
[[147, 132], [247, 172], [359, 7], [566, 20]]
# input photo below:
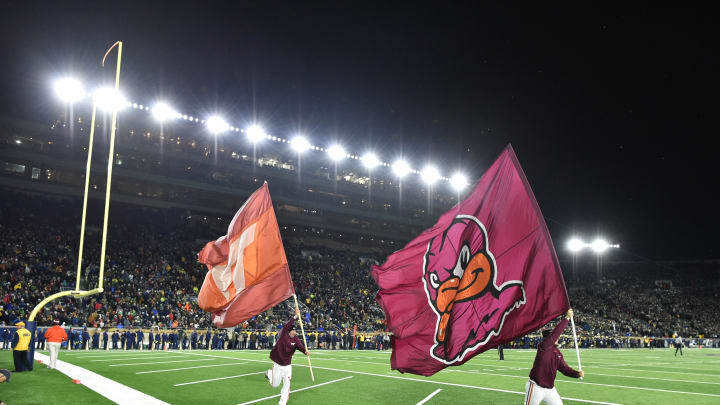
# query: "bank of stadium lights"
[[458, 181], [109, 99], [401, 168], [300, 144], [163, 112], [430, 175], [69, 90], [217, 125], [370, 160], [255, 133], [336, 153], [599, 245]]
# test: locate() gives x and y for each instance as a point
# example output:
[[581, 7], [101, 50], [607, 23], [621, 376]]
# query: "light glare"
[[430, 175], [163, 112], [255, 133], [401, 168], [217, 125], [300, 144], [336, 152], [109, 99], [599, 246], [458, 181], [575, 245], [370, 160], [69, 90]]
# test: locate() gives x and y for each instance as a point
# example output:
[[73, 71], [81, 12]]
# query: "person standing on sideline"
[[281, 355], [55, 336], [20, 344], [548, 360], [678, 345], [501, 353]]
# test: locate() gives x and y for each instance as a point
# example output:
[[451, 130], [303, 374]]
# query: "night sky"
[[607, 109]]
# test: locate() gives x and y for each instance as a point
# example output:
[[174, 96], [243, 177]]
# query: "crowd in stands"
[[152, 279]]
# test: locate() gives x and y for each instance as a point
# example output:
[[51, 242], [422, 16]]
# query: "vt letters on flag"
[[247, 268], [484, 275]]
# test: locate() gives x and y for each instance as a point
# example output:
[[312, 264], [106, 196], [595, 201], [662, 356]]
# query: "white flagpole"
[[302, 328], [577, 349]]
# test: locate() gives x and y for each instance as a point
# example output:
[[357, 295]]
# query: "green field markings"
[[190, 368], [427, 398], [597, 384], [476, 387], [153, 362], [217, 379], [297, 390]]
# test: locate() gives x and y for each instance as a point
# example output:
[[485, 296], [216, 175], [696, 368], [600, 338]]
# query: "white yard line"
[[427, 398], [188, 368], [112, 390], [216, 379], [410, 379], [136, 358], [598, 384], [155, 362], [297, 390]]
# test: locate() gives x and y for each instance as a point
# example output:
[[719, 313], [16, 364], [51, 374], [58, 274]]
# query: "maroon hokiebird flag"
[[484, 275]]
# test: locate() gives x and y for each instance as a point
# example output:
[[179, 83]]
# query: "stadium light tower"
[[163, 112], [300, 144], [575, 245], [336, 153], [69, 90], [430, 175], [458, 181], [600, 246], [370, 160], [401, 168], [216, 125], [109, 99], [255, 133]]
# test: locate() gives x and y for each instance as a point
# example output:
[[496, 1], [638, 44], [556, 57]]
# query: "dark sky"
[[607, 108]]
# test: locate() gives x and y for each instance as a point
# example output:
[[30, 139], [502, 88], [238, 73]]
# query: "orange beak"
[[474, 280]]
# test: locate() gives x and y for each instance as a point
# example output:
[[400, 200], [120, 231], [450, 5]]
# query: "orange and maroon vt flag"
[[247, 268]]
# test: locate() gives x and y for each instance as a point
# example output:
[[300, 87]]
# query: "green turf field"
[[639, 376]]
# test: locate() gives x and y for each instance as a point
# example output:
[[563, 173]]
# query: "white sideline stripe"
[[112, 390], [427, 398], [216, 379], [525, 368], [659, 379], [111, 354], [188, 368], [601, 385], [135, 358], [153, 362], [297, 390], [606, 375], [410, 379]]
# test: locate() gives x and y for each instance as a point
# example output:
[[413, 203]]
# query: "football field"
[[636, 376]]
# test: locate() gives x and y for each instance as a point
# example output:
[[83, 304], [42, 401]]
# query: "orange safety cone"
[[76, 381]]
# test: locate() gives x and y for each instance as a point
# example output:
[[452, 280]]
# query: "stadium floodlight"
[[370, 160], [216, 125], [300, 144], [430, 175], [163, 112], [458, 181], [69, 90], [336, 152], [575, 245], [109, 99], [599, 246], [255, 133], [401, 168]]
